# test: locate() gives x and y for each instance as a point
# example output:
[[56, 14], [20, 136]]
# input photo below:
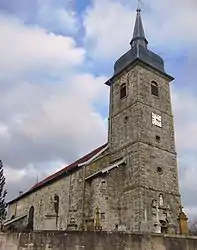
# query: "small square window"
[[158, 138], [102, 216]]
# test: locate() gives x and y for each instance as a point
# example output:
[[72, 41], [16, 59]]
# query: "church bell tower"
[[141, 130]]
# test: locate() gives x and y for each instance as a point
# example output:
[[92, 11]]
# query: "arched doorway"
[[30, 224]]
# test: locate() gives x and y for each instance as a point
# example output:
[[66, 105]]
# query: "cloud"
[[184, 107], [25, 49], [108, 29], [47, 102], [178, 30], [20, 180], [186, 119], [64, 123], [109, 26], [55, 16]]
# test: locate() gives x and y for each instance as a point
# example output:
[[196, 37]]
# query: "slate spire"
[[138, 34]]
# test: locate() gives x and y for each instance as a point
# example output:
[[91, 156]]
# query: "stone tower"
[[141, 130]]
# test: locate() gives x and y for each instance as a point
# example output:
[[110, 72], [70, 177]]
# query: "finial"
[[181, 208], [138, 6]]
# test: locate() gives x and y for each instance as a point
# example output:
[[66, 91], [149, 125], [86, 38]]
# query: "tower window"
[[125, 119], [154, 88], [158, 138], [102, 216], [123, 91], [159, 170]]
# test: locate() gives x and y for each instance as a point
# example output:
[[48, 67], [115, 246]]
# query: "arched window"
[[123, 91], [30, 224], [56, 204], [154, 88]]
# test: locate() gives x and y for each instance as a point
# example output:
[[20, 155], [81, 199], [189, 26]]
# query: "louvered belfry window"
[[154, 88], [123, 91]]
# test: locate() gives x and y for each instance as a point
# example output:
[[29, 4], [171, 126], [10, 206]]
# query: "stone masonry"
[[94, 241], [133, 135]]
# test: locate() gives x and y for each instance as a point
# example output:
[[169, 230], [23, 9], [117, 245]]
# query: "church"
[[129, 184]]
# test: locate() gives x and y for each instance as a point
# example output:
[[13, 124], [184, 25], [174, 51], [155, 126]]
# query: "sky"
[[55, 56]]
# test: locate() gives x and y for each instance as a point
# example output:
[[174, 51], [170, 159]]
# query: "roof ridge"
[[73, 163], [62, 171]]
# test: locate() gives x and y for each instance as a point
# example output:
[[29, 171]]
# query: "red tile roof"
[[72, 167]]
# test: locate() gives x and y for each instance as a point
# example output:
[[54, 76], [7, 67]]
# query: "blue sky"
[[55, 57]]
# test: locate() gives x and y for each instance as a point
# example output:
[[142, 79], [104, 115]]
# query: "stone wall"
[[94, 241], [70, 190]]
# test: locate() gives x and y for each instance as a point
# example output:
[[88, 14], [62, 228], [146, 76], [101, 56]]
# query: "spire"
[[138, 34]]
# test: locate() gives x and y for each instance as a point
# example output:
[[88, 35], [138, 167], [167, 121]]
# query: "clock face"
[[156, 120]]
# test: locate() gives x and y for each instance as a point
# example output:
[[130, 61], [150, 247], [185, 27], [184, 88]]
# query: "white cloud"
[[20, 180], [168, 24], [108, 26], [47, 104], [14, 175], [67, 114], [172, 22], [25, 49], [57, 18], [184, 106]]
